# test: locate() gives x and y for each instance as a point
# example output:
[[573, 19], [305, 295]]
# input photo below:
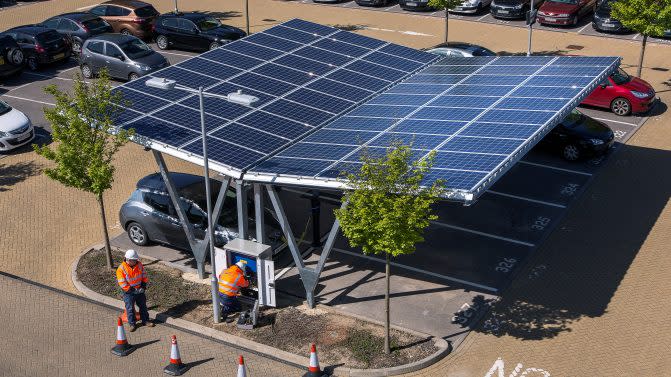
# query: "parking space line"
[[177, 54], [616, 121], [527, 199], [555, 168], [414, 269], [46, 76], [482, 18], [20, 86], [511, 240], [583, 28], [28, 99]]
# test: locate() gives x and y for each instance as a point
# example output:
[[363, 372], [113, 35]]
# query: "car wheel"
[[86, 71], [137, 234], [133, 76], [76, 46], [162, 42], [15, 56], [571, 152], [214, 45], [125, 32], [620, 106], [32, 63]]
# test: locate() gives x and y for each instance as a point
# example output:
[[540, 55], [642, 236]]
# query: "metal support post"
[[259, 214], [243, 214], [531, 20], [176, 11], [315, 206], [247, 15]]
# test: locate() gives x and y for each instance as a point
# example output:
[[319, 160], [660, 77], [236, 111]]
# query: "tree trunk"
[[106, 237], [640, 59], [387, 349], [447, 17]]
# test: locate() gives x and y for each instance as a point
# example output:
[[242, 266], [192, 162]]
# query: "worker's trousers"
[[141, 300], [230, 304]]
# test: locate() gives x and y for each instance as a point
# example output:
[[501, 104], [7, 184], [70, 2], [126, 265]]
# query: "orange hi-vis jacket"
[[231, 280], [128, 276]]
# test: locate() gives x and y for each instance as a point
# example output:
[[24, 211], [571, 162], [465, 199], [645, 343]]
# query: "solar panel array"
[[478, 114], [304, 75]]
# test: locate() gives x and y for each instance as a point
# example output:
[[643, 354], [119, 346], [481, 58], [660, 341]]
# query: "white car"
[[460, 49], [471, 6], [15, 128]]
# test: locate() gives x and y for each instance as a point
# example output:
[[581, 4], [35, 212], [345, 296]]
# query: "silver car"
[[126, 57]]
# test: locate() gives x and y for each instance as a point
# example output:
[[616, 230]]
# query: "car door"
[[67, 28], [26, 42], [94, 55], [115, 61], [602, 95], [161, 221], [113, 16], [52, 23], [101, 11], [170, 28], [191, 35]]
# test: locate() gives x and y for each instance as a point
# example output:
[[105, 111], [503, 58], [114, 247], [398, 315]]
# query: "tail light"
[[138, 20], [38, 48]]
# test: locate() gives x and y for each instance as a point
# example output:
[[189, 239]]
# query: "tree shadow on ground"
[[13, 174], [349, 27], [228, 15]]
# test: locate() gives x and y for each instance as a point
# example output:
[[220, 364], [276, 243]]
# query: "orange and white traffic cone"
[[313, 369], [124, 316], [122, 347], [242, 372], [175, 368]]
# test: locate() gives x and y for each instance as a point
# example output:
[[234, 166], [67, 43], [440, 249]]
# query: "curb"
[[443, 346]]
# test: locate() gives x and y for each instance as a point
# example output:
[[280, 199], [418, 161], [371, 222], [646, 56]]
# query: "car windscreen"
[[135, 48], [574, 118], [208, 23], [483, 52], [48, 37], [620, 77], [147, 11], [95, 24], [4, 108]]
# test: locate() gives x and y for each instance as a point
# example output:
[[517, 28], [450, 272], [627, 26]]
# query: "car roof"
[[460, 45], [127, 3], [31, 29], [79, 16], [112, 37], [188, 15], [155, 181]]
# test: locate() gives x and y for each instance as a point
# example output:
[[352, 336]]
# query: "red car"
[[564, 12], [623, 94]]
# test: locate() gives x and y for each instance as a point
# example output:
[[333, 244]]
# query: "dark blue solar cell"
[[481, 90], [224, 152], [379, 152], [458, 180], [516, 116], [509, 70], [297, 112], [206, 67], [529, 60], [457, 60], [217, 106], [340, 169], [446, 113], [358, 40], [464, 101], [417, 89], [362, 124], [126, 115], [393, 61], [376, 70], [555, 70], [341, 90], [263, 84], [466, 161], [227, 88], [292, 166], [482, 145], [317, 151], [319, 100], [604, 61], [322, 56], [284, 74], [310, 27], [429, 126], [221, 55], [358, 80], [382, 111], [303, 64], [274, 124], [415, 141], [141, 102], [341, 48], [160, 131], [291, 34], [436, 79], [256, 51], [187, 78], [401, 99], [189, 118], [349, 137], [531, 104], [451, 69], [409, 53], [170, 95], [545, 92], [501, 130], [494, 80], [251, 138], [559, 81], [269, 41]]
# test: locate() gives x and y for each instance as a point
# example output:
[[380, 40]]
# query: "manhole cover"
[[575, 47]]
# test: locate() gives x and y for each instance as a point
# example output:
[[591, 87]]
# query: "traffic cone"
[[122, 347], [313, 369], [241, 367], [124, 316], [175, 368]]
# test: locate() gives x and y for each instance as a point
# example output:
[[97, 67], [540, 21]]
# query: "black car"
[[11, 57], [78, 27], [512, 8], [422, 5], [40, 44], [372, 3], [578, 136], [602, 20], [193, 31]]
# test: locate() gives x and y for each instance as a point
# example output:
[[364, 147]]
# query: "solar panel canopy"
[[326, 95]]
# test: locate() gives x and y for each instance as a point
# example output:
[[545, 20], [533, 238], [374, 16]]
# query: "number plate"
[[411, 4], [504, 12], [24, 137], [59, 56], [551, 19]]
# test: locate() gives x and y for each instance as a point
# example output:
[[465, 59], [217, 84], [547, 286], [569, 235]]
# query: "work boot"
[[133, 328]]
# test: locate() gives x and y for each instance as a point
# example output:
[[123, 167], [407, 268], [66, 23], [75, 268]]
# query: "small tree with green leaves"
[[387, 208], [85, 139], [446, 5], [646, 17]]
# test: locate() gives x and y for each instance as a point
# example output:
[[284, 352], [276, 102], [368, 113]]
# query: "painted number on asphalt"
[[537, 271], [619, 134], [506, 265], [519, 371], [570, 189], [465, 314], [540, 223]]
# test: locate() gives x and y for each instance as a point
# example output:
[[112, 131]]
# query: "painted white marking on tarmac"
[[390, 8], [28, 99], [494, 236], [555, 168], [527, 199], [616, 121], [635, 36], [583, 28], [406, 32], [47, 76], [419, 270], [20, 86], [86, 7], [482, 18], [176, 54]]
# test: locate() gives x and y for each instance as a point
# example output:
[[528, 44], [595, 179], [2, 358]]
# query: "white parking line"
[[527, 199], [555, 168], [482, 18], [46, 76], [414, 269], [19, 87], [616, 121], [511, 240], [176, 54], [390, 8], [28, 99], [582, 28], [635, 36]]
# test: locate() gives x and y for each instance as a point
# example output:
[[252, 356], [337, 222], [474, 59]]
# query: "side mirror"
[[195, 31]]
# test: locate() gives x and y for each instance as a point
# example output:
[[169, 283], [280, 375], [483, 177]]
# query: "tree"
[[646, 17], [388, 208], [447, 5], [86, 139]]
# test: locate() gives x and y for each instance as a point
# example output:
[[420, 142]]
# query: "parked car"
[[126, 57], [193, 31], [15, 128], [461, 49], [130, 17], [149, 215], [369, 3], [564, 12], [579, 136], [40, 44], [421, 5], [602, 20], [511, 8], [471, 6], [78, 27], [623, 94], [11, 57]]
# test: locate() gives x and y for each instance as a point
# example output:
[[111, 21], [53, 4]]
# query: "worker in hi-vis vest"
[[133, 280], [230, 282]]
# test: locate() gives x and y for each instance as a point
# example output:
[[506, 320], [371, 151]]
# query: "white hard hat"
[[131, 254], [242, 264]]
